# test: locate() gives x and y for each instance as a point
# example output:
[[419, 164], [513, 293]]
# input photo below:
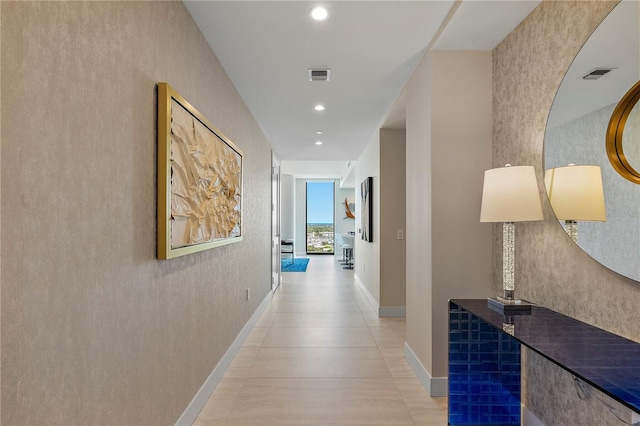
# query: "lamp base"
[[509, 306]]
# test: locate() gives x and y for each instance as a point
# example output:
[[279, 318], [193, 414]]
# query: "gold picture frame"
[[199, 180]]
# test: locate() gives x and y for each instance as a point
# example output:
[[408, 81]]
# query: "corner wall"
[[419, 216], [551, 270], [95, 329], [379, 265], [461, 152], [448, 250]]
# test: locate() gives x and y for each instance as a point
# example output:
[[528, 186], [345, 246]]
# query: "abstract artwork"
[[366, 209], [199, 180], [348, 209]]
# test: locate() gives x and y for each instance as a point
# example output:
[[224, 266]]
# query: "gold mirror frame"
[[615, 130]]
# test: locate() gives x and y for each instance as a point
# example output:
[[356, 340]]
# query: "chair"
[[286, 247], [347, 247], [338, 245]]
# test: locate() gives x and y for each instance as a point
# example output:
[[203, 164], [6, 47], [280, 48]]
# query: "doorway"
[[320, 216]]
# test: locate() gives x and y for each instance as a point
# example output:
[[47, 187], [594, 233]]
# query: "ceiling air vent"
[[596, 73], [319, 75]]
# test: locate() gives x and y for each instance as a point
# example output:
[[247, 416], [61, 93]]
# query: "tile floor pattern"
[[320, 356]]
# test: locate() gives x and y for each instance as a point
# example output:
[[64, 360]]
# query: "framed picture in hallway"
[[199, 180], [366, 209]]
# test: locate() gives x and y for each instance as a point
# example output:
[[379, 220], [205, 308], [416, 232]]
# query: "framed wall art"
[[199, 180], [366, 209]]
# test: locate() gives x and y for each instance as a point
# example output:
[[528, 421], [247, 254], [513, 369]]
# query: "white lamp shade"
[[576, 193], [510, 194]]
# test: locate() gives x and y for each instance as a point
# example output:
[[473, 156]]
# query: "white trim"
[[381, 311], [372, 301], [392, 311], [527, 418], [201, 397], [435, 386]]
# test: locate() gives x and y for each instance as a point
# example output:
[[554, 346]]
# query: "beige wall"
[[419, 221], [367, 254], [550, 270], [392, 218], [461, 152], [95, 330], [380, 265], [448, 148]]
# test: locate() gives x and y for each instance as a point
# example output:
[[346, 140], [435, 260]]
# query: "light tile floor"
[[320, 356]]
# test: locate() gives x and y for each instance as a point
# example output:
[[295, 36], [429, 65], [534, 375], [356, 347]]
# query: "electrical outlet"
[[364, 267], [248, 294], [400, 234]]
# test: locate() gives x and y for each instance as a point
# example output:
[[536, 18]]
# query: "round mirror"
[[600, 76], [622, 142]]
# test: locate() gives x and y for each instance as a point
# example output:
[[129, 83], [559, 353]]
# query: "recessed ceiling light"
[[319, 107], [319, 13], [318, 143], [319, 132]]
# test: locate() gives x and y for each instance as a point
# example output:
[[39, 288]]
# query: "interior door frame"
[[276, 276]]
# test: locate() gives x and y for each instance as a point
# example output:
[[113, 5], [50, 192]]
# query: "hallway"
[[320, 356]]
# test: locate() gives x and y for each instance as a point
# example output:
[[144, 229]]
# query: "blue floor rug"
[[298, 265]]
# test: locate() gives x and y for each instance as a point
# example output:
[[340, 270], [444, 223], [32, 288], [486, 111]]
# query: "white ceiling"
[[322, 169], [371, 47]]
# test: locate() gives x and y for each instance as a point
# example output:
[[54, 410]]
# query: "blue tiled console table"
[[484, 359]]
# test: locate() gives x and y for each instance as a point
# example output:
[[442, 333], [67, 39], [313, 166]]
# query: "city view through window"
[[320, 208]]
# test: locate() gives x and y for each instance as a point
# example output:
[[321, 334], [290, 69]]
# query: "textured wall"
[[550, 270], [95, 330]]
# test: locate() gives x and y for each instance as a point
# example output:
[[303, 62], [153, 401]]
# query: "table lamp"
[[575, 193], [510, 194]]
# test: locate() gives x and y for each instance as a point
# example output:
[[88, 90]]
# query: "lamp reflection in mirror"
[[576, 194], [509, 194]]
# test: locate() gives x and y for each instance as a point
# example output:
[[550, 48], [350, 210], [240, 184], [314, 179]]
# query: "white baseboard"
[[381, 311], [372, 301], [201, 397], [392, 311], [527, 418], [435, 386]]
